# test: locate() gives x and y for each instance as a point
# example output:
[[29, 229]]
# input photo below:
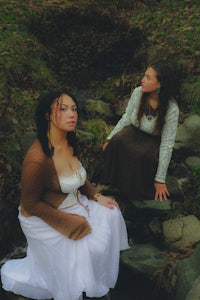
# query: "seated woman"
[[138, 151], [74, 233]]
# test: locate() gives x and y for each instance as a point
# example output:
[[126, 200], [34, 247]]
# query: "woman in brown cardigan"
[[74, 233]]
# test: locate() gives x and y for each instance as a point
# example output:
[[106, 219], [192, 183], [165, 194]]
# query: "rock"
[[193, 162], [176, 194], [187, 133], [188, 271], [194, 293], [94, 108], [156, 226], [120, 107], [139, 232], [84, 135], [143, 259], [190, 91], [180, 170], [153, 205], [181, 232]]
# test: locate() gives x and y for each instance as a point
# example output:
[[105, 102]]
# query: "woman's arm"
[[166, 146], [167, 141], [131, 109], [93, 193], [89, 190]]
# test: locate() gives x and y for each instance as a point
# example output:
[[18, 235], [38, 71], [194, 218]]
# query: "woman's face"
[[150, 82], [64, 115]]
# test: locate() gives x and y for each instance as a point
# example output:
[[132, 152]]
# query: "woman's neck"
[[153, 100], [58, 140]]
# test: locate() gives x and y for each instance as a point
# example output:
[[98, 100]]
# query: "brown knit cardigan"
[[41, 194]]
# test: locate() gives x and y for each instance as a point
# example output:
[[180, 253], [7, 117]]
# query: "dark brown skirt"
[[130, 163]]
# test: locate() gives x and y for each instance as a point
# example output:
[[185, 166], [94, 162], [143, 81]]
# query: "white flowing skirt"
[[59, 268]]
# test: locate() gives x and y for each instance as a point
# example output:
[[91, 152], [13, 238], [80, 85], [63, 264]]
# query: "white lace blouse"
[[168, 133]]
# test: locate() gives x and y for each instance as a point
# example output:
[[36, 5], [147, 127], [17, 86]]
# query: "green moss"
[[176, 28], [105, 90]]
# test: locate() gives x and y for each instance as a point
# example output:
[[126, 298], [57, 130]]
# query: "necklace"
[[150, 114]]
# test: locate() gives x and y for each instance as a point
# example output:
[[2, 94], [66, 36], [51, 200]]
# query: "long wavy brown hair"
[[168, 90]]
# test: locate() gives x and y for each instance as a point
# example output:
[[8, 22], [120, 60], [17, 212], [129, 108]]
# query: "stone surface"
[[193, 162], [143, 259], [181, 232], [187, 133], [156, 226], [194, 293], [153, 205], [174, 188], [94, 107], [188, 271]]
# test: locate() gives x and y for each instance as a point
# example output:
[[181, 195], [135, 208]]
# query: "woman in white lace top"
[[138, 150]]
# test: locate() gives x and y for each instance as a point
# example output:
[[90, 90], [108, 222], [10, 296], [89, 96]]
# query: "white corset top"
[[70, 185]]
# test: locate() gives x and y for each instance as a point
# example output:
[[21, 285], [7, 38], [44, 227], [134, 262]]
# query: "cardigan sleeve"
[[167, 141], [32, 192], [131, 110]]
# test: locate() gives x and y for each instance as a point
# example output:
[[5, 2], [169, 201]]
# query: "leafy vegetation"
[[105, 90], [98, 133], [175, 25]]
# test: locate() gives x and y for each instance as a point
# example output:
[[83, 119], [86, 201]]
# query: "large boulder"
[[187, 137], [97, 108], [193, 162], [143, 259], [188, 274], [181, 232]]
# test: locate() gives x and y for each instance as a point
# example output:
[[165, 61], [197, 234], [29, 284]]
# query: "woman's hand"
[[107, 202], [105, 145], [77, 228], [161, 191]]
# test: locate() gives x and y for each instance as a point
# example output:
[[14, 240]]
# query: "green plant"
[[177, 28], [98, 134], [105, 90], [195, 108]]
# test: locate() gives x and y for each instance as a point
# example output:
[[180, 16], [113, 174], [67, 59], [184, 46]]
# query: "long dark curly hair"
[[168, 90], [42, 114]]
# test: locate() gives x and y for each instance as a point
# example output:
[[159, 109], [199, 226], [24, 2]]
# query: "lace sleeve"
[[127, 117], [167, 141]]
